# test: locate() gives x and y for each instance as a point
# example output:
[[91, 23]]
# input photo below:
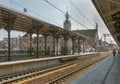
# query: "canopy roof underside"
[[27, 23], [109, 10]]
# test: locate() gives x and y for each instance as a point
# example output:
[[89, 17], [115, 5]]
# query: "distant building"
[[13, 43], [24, 42], [49, 43], [108, 46], [92, 42]]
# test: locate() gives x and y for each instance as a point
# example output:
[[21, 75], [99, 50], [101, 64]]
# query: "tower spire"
[[96, 25], [67, 23], [67, 16]]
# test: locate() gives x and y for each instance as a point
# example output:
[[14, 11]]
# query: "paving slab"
[[106, 72]]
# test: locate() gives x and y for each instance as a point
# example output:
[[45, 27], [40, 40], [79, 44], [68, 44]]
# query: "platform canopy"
[[109, 10], [26, 23]]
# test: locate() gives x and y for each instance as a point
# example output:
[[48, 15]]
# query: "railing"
[[20, 55], [14, 53]]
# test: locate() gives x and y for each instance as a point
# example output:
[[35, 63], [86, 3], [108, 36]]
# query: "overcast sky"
[[45, 12]]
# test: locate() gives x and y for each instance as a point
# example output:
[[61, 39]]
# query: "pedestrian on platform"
[[114, 52]]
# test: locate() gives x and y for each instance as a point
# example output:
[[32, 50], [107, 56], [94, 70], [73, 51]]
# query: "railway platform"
[[106, 72]]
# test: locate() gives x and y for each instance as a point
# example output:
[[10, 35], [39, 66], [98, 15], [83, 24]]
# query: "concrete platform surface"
[[106, 72]]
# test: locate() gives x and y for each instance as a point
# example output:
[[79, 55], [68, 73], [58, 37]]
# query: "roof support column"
[[31, 48], [9, 49], [79, 46], [65, 48], [57, 45], [53, 53], [37, 31], [45, 44], [9, 19], [73, 50], [37, 26], [83, 46]]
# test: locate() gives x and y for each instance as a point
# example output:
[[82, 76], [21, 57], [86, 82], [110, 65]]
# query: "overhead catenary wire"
[[65, 13], [70, 15], [43, 16], [33, 12], [54, 6], [81, 12]]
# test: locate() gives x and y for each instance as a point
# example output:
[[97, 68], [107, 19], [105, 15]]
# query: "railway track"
[[66, 77], [11, 78], [16, 78]]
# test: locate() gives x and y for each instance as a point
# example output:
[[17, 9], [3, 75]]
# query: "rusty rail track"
[[18, 77], [63, 78]]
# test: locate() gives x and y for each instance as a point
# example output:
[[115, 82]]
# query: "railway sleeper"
[[52, 75]]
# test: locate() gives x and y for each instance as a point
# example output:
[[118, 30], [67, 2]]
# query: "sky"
[[44, 11]]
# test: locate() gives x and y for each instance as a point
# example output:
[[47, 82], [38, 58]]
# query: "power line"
[[65, 13], [78, 22], [81, 13], [54, 6], [25, 10], [70, 15]]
